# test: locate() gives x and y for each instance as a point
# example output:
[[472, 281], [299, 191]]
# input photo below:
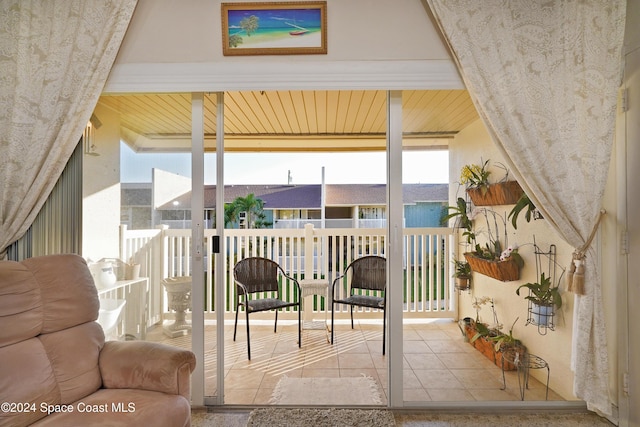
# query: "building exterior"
[[146, 205]]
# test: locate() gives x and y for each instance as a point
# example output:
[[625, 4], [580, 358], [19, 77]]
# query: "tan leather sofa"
[[57, 370]]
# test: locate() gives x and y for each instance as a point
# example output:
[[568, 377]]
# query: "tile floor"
[[438, 364]]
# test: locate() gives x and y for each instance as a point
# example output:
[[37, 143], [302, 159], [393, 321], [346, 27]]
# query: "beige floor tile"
[[240, 396], [438, 379], [447, 346], [438, 364], [419, 347], [320, 373], [477, 379], [351, 361], [243, 379], [415, 395], [424, 361]]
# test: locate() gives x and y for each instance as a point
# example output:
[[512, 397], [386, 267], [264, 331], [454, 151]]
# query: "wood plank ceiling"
[[291, 120]]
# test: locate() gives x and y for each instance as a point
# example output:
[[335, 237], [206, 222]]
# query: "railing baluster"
[[314, 253]]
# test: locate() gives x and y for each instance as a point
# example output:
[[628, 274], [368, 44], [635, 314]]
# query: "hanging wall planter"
[[501, 193], [544, 297], [505, 271]]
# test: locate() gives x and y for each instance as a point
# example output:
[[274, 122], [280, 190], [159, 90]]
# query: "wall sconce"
[[88, 136]]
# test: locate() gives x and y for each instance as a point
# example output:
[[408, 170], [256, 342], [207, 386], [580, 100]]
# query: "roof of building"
[[301, 196]]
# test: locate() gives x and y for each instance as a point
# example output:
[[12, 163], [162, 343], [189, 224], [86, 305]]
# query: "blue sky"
[[305, 168]]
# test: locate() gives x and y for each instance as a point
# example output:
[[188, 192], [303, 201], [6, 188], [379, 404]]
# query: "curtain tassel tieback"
[[575, 276]]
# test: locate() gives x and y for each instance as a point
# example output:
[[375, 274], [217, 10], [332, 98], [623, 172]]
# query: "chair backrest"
[[369, 272], [256, 274]]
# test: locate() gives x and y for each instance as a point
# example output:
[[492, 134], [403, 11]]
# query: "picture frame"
[[274, 28]]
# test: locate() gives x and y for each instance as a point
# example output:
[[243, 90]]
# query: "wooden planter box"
[[501, 193], [487, 348], [504, 271]]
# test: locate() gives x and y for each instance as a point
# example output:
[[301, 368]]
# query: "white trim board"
[[343, 75]]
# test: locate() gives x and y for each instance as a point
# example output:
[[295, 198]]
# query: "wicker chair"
[[255, 276], [364, 285]]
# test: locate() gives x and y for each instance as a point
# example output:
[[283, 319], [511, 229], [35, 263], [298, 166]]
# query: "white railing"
[[303, 253]]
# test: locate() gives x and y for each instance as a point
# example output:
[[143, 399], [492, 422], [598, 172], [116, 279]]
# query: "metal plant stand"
[[543, 316], [524, 362]]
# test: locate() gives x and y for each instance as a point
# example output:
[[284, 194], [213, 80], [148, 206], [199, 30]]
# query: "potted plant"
[[462, 274], [482, 192], [476, 176], [503, 341], [544, 298], [490, 259]]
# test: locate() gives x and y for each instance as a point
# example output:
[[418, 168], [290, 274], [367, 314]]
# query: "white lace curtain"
[[544, 75], [54, 60]]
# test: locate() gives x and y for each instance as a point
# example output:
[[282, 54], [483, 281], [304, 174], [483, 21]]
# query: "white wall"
[[474, 145], [101, 191], [191, 31], [372, 44]]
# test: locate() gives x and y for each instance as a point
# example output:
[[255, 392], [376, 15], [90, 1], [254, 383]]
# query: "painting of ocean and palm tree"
[[264, 28]]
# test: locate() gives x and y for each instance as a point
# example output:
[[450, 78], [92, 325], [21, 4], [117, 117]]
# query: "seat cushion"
[[124, 407], [267, 304], [363, 301]]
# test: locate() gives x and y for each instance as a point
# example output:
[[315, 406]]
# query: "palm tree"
[[250, 24], [250, 204], [230, 214]]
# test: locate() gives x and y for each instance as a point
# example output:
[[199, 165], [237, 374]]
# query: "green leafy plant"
[[523, 204], [542, 292], [459, 211], [462, 269], [502, 340], [475, 176]]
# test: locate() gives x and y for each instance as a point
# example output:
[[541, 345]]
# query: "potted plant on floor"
[[544, 298]]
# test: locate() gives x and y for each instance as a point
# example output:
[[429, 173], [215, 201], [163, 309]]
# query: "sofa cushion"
[[124, 407], [69, 296], [74, 354], [20, 304], [26, 379]]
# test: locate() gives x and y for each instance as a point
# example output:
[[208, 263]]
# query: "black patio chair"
[[364, 285], [257, 285]]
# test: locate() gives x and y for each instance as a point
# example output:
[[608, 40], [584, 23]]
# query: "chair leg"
[[248, 336], [275, 325], [299, 325], [332, 327], [351, 307], [235, 325]]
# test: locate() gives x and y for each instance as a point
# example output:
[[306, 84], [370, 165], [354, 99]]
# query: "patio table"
[[309, 288]]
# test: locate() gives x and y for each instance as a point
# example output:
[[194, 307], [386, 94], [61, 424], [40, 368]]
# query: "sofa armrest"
[[147, 366]]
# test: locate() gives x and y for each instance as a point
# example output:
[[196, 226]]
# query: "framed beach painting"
[[275, 28]]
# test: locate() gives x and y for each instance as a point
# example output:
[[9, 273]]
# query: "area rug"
[[330, 417], [350, 391]]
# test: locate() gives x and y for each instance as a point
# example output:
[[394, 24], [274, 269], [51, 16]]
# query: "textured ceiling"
[[291, 120]]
